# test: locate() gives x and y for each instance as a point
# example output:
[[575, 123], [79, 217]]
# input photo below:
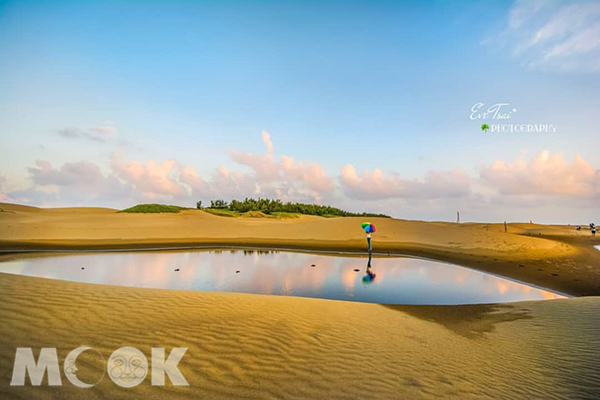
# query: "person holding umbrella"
[[368, 228]]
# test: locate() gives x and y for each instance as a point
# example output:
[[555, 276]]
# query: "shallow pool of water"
[[390, 280]]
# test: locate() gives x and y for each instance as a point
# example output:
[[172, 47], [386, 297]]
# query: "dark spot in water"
[[312, 265], [177, 270], [237, 271], [356, 269], [82, 268]]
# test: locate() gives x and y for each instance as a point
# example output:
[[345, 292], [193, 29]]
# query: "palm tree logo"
[[485, 127]]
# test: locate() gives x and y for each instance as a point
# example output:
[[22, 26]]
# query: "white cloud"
[[313, 175], [101, 133], [266, 138], [545, 175], [76, 183], [525, 187], [128, 181], [153, 180], [375, 185], [552, 35], [281, 177]]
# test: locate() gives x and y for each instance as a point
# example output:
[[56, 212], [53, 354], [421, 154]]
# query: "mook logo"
[[127, 367]]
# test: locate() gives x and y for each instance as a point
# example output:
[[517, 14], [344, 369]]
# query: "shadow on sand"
[[472, 321]]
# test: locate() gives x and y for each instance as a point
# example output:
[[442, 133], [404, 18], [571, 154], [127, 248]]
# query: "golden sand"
[[273, 347], [555, 257]]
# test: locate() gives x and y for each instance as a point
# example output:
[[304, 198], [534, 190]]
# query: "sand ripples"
[[249, 346]]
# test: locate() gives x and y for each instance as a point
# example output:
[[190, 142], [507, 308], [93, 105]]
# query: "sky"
[[368, 106]]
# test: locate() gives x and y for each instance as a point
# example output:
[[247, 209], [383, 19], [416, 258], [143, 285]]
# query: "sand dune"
[[555, 257], [271, 347]]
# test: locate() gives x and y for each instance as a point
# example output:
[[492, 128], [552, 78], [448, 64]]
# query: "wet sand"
[[276, 347], [550, 256]]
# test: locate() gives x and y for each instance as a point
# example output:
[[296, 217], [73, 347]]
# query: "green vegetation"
[[254, 208], [153, 208], [250, 214], [285, 215], [279, 209], [219, 204], [221, 213]]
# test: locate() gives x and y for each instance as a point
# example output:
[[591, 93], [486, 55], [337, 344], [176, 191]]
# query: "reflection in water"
[[370, 276], [398, 280]]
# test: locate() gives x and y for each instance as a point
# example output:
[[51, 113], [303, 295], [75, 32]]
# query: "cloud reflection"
[[399, 280]]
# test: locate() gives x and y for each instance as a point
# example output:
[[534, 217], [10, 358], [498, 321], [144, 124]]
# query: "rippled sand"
[[270, 347]]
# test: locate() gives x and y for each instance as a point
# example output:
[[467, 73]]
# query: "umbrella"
[[368, 227]]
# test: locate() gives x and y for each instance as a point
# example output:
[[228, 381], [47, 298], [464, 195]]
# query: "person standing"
[[368, 228]]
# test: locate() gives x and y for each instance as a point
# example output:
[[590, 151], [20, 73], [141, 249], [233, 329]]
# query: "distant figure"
[[505, 227], [593, 228], [530, 221], [370, 276], [368, 228], [457, 217], [578, 228]]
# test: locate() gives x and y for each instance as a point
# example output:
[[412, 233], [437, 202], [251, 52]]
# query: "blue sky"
[[375, 85]]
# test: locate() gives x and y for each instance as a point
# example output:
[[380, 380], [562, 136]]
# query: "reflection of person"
[[370, 276]]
